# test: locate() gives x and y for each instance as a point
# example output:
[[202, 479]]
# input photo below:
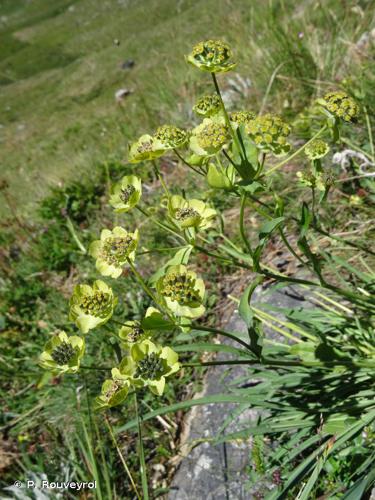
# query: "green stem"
[[229, 158], [296, 153], [160, 177], [122, 458], [291, 250], [160, 224], [242, 226], [147, 289], [220, 332], [226, 116], [85, 367], [142, 461], [287, 363], [72, 231], [368, 123], [187, 163]]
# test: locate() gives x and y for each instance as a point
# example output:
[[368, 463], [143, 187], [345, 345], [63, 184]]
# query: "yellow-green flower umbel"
[[190, 213], [146, 148], [238, 118], [182, 292], [62, 354], [340, 105], [269, 133], [91, 306], [316, 149], [171, 137], [213, 56], [208, 138], [138, 331], [148, 366], [208, 105], [126, 194], [114, 392], [133, 332], [113, 250]]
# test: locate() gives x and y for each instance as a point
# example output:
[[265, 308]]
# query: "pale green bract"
[[126, 194], [91, 306], [113, 393], [148, 365], [190, 213], [136, 331], [146, 148], [62, 354], [113, 250]]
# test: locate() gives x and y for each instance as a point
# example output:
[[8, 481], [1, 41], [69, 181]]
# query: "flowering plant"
[[234, 153]]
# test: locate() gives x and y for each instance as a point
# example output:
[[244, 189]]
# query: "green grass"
[[60, 68]]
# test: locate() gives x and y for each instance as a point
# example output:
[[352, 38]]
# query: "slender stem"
[[226, 116], [141, 452], [73, 232], [187, 163], [368, 123], [160, 224], [147, 289], [286, 362], [85, 367], [242, 227], [229, 158], [291, 250], [212, 254], [122, 458], [343, 240], [296, 153], [160, 177], [220, 332]]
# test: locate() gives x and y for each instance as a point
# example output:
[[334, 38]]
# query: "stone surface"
[[221, 472]]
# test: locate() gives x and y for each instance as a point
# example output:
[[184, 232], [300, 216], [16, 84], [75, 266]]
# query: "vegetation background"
[[63, 138]]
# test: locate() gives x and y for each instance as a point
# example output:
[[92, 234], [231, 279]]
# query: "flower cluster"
[[147, 365], [208, 105], [171, 137], [91, 306], [190, 213], [340, 105], [146, 148], [208, 138], [62, 354], [126, 194], [316, 149], [113, 250], [182, 292], [238, 118], [213, 56], [269, 133]]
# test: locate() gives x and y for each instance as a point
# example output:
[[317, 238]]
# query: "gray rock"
[[221, 472]]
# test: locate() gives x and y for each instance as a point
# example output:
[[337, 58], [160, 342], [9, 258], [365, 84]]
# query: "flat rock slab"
[[221, 472]]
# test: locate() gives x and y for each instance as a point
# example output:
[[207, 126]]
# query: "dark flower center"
[[99, 304], [126, 193], [136, 333], [63, 353], [185, 213], [180, 287], [117, 249], [150, 367]]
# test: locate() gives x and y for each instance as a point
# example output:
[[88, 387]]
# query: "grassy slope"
[[60, 67]]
